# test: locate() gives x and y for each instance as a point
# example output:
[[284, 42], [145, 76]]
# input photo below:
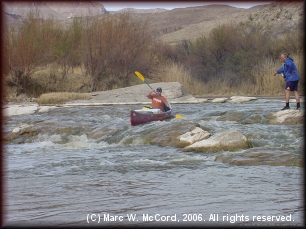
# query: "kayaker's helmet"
[[159, 89]]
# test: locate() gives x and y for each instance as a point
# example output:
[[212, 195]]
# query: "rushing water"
[[89, 166]]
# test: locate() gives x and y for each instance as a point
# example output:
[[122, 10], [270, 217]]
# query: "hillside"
[[189, 23], [132, 10], [57, 10], [172, 26]]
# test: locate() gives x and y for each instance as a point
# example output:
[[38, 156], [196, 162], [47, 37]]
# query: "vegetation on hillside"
[[101, 53], [242, 58]]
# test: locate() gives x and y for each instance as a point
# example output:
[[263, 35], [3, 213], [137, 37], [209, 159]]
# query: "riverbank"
[[134, 95], [26, 108], [173, 91]]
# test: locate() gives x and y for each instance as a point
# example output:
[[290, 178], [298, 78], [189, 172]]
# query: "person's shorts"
[[293, 85]]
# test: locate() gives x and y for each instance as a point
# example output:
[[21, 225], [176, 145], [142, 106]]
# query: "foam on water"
[[149, 161]]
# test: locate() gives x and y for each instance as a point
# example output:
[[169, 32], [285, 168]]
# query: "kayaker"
[[158, 101]]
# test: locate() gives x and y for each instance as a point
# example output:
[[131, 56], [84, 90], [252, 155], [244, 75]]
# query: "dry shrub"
[[266, 83], [51, 79], [173, 72], [61, 97]]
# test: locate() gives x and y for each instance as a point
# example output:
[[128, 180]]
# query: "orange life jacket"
[[157, 101]]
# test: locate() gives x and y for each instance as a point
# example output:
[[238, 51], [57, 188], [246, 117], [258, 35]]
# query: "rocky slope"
[[189, 23], [58, 10], [178, 24]]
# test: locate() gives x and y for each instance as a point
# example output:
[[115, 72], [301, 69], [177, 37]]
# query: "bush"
[[239, 58], [61, 97], [108, 49]]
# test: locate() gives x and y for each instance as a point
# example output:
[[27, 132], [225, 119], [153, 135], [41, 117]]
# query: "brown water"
[[88, 166]]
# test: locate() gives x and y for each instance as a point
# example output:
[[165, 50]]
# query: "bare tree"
[[116, 46], [25, 51]]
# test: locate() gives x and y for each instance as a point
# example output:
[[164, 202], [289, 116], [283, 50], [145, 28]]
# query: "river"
[[88, 166]]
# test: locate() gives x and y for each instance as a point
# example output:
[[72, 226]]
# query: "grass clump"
[[61, 97]]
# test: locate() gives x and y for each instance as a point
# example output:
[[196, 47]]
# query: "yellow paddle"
[[141, 77]]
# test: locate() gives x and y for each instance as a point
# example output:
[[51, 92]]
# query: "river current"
[[88, 166]]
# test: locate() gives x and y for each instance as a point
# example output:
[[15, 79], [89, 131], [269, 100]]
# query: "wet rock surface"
[[193, 136], [261, 156], [228, 140], [289, 117]]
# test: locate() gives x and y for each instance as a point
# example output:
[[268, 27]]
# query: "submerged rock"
[[252, 119], [101, 133], [229, 140], [21, 134], [21, 129], [261, 156], [231, 116]]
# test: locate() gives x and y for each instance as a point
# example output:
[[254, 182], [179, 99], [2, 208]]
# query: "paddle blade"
[[178, 116], [140, 76]]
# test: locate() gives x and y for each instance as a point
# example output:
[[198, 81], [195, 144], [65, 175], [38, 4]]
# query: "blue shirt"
[[289, 70]]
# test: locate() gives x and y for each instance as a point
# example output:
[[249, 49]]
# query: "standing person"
[[292, 78], [158, 101]]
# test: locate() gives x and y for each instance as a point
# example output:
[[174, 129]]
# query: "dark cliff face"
[[59, 10]]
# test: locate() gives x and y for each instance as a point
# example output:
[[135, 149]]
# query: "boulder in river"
[[20, 110], [219, 100], [21, 129], [289, 117], [21, 134], [241, 99], [43, 109], [230, 140], [25, 109], [193, 136]]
